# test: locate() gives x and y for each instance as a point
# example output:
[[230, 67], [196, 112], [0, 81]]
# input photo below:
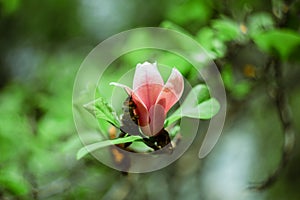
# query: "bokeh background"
[[256, 46]]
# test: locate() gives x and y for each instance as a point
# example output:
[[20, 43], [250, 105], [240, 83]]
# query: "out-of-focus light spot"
[[105, 18], [243, 28], [285, 8], [227, 172], [23, 61], [249, 71], [201, 57]]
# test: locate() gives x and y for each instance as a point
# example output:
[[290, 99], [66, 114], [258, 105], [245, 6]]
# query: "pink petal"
[[146, 73], [172, 90], [130, 92], [125, 87], [156, 120], [148, 94], [147, 83], [141, 110]]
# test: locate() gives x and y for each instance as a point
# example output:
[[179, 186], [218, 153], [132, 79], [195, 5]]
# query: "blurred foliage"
[[43, 45]]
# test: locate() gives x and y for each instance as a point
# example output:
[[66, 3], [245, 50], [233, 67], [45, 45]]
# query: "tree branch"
[[285, 117]]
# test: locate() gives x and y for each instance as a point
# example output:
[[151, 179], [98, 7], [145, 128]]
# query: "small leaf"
[[102, 110], [272, 40], [197, 104], [174, 26], [188, 12], [173, 118], [241, 89], [260, 22], [211, 42], [227, 29], [198, 94], [174, 131], [12, 180], [207, 109], [227, 76], [92, 147]]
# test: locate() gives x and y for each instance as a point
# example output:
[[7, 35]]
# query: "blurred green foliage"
[[43, 45]]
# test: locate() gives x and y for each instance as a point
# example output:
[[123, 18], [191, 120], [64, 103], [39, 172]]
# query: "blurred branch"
[[283, 110]]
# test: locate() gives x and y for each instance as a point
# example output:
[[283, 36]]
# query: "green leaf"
[[227, 29], [174, 26], [202, 93], [188, 12], [241, 89], [197, 104], [207, 109], [204, 37], [197, 95], [12, 180], [227, 76], [282, 41], [92, 147], [174, 131], [260, 22], [10, 6], [102, 110], [211, 42]]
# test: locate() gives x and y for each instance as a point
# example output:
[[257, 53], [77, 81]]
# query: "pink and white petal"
[[147, 83], [141, 110], [157, 118], [148, 93], [146, 73], [125, 87], [172, 90]]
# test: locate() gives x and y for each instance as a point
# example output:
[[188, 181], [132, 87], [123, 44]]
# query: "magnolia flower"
[[152, 97]]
